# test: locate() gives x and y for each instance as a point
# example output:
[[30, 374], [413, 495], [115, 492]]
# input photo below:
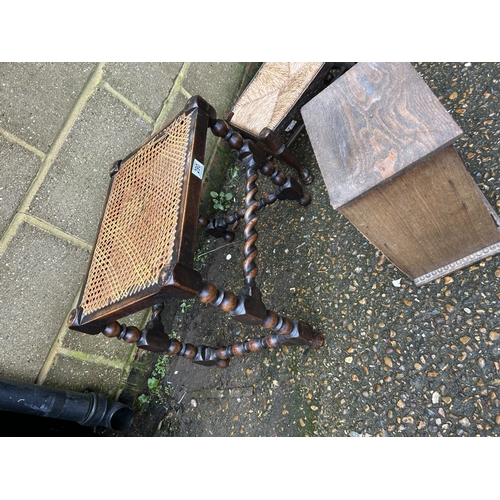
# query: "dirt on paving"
[[398, 360]]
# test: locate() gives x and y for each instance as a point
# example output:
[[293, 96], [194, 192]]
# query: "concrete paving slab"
[[39, 277], [73, 193], [18, 167], [217, 82], [73, 374], [35, 98], [147, 85]]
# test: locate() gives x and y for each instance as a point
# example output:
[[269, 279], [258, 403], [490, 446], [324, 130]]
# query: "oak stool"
[[384, 145]]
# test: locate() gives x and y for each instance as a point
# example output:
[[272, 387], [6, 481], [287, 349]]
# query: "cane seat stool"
[[145, 246], [270, 104], [384, 145]]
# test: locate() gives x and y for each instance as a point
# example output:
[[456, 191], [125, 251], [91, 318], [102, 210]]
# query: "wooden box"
[[384, 145]]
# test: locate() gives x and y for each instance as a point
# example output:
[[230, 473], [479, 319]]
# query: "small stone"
[[436, 397], [497, 420], [494, 335], [449, 308], [407, 302], [421, 425], [447, 399], [194, 403], [249, 371], [408, 420], [448, 279], [464, 421], [388, 361], [453, 95], [432, 374], [417, 366], [481, 363], [400, 404], [348, 359], [464, 339], [301, 422]]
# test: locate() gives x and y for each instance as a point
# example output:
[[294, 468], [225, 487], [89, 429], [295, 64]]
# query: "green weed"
[[221, 200], [185, 305], [155, 388]]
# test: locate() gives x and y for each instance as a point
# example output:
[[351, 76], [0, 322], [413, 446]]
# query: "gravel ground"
[[398, 360]]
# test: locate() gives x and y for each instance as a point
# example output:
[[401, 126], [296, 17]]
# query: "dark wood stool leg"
[[281, 151], [288, 188], [300, 334], [251, 153], [153, 338], [248, 308]]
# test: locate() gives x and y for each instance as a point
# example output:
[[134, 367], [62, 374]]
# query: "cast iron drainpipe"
[[86, 408]]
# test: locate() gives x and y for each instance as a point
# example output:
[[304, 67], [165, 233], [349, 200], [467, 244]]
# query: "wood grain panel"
[[427, 217], [375, 121]]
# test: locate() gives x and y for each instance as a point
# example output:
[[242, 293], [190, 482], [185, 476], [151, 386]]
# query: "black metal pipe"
[[86, 408]]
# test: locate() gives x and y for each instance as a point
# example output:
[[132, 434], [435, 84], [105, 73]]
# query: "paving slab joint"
[[88, 89], [16, 140], [136, 109], [167, 103]]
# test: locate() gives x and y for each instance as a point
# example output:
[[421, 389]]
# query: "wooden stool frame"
[[155, 193]]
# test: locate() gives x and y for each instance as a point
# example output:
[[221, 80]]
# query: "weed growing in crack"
[[185, 305], [221, 200], [155, 388]]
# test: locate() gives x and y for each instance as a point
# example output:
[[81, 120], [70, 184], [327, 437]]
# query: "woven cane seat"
[[147, 227], [272, 94]]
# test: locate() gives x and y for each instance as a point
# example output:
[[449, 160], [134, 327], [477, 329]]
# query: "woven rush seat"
[[270, 105], [272, 94]]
